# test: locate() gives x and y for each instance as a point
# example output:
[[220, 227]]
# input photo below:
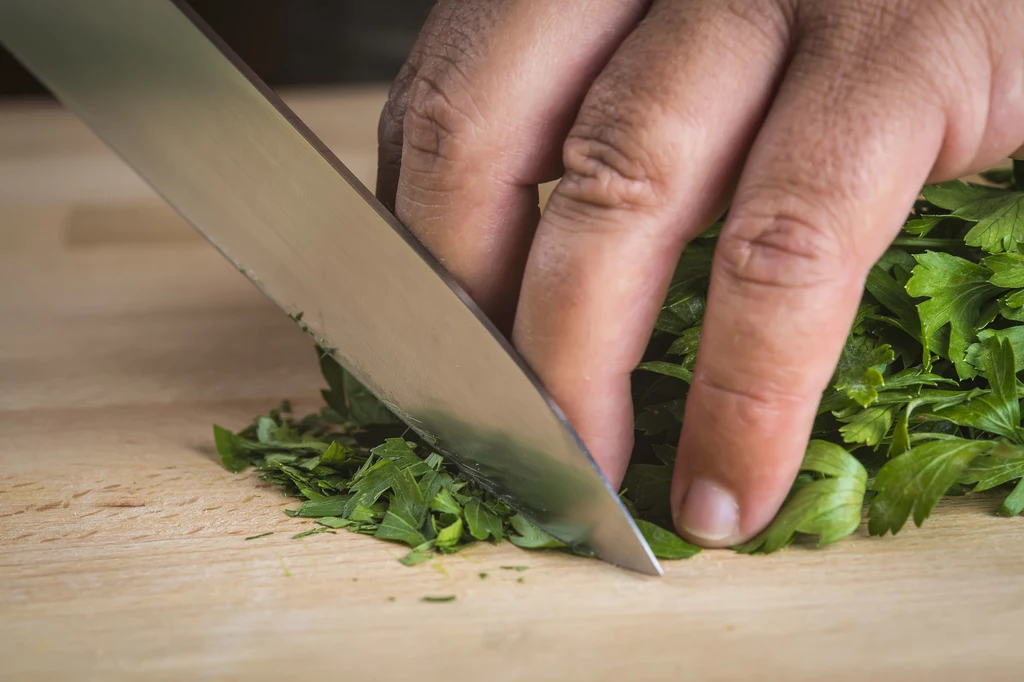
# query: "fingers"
[[481, 112], [833, 173], [647, 164]]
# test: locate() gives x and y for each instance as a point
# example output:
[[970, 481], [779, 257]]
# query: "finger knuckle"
[[441, 118], [757, 407], [785, 247], [610, 164]]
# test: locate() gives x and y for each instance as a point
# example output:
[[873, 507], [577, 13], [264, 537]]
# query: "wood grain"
[[122, 550]]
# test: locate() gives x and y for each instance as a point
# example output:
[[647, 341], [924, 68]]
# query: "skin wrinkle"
[[835, 111]]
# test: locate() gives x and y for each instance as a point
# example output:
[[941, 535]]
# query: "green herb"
[[515, 568], [261, 535], [665, 543], [414, 557], [924, 403], [313, 531], [444, 598], [483, 576]]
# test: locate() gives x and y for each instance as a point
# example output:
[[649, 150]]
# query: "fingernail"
[[709, 512]]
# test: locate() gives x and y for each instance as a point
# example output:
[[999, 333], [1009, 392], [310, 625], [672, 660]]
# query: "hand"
[[821, 119]]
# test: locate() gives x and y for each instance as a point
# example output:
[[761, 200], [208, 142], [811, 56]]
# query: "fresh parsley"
[[924, 403]]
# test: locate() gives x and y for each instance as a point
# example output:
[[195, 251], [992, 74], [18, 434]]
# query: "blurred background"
[[295, 42]]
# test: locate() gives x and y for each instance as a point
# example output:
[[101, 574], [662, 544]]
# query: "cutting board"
[[123, 337]]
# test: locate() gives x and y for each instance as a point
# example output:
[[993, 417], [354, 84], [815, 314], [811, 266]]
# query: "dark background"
[[295, 42]]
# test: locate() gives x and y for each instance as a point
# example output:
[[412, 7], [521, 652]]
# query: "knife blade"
[[153, 82]]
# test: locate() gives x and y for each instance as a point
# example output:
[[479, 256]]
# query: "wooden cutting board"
[[123, 337]]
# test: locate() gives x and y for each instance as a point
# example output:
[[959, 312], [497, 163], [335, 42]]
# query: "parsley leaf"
[[483, 523], [530, 536], [665, 544], [956, 289], [914, 481], [998, 213], [859, 373], [997, 412], [827, 505]]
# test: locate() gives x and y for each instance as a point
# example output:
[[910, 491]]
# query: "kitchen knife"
[[157, 86]]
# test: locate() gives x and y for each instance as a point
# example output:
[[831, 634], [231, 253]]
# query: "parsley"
[[261, 535], [924, 403]]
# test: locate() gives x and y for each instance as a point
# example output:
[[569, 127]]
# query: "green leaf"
[[351, 399], [667, 369], [1004, 464], [336, 456], [859, 373], [998, 214], [449, 535], [444, 503], [664, 543], [895, 298], [997, 412], [266, 430], [334, 521], [1007, 270], [828, 506], [1014, 335], [530, 536], [647, 486], [403, 454], [1014, 502], [363, 514], [415, 558], [407, 499], [868, 427], [956, 290], [915, 480], [401, 529], [923, 225], [327, 506], [687, 342], [914, 376], [367, 488], [483, 523], [230, 450]]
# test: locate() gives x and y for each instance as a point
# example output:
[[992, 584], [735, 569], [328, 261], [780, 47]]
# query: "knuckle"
[[754, 406], [441, 107], [610, 164], [436, 118], [767, 21], [784, 247]]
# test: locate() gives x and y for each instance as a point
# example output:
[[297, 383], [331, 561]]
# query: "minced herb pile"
[[925, 402]]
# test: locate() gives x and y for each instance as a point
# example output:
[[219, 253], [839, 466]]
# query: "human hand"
[[820, 119]]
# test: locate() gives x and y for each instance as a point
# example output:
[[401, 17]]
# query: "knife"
[[151, 80]]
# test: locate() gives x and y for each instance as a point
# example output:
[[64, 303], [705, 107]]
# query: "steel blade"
[[154, 83]]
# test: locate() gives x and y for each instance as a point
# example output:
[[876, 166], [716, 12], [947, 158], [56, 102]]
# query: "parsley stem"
[[928, 243]]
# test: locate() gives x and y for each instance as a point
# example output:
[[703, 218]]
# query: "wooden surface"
[[123, 337]]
